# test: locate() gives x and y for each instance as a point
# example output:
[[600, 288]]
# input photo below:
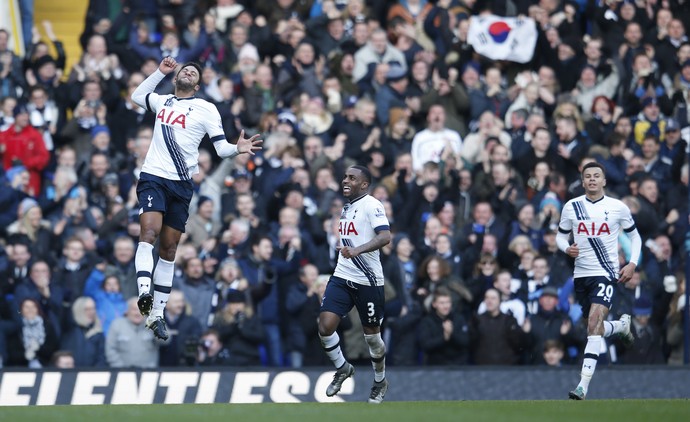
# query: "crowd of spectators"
[[473, 160]]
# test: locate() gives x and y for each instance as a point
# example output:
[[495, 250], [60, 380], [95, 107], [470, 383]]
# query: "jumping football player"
[[165, 183]]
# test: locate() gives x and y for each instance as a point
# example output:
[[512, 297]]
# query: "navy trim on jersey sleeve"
[[381, 228], [631, 228], [218, 138], [560, 230], [148, 105]]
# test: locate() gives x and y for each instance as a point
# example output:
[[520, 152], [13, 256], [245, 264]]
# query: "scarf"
[[33, 336]]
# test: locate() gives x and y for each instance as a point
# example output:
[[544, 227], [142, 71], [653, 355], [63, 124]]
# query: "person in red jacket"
[[21, 142]]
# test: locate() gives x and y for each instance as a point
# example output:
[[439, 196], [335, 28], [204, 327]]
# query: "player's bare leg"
[[595, 331], [330, 341], [162, 280], [151, 223], [377, 351]]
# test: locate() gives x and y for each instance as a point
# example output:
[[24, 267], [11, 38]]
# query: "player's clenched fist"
[[573, 251], [167, 65]]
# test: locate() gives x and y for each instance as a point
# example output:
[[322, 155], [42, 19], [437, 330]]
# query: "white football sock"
[[377, 350], [143, 263], [589, 363], [162, 285], [612, 327], [331, 345]]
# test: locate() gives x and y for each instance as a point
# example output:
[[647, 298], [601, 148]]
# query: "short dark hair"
[[256, 239], [195, 65], [442, 291], [542, 128], [594, 165], [615, 139], [554, 177], [365, 172]]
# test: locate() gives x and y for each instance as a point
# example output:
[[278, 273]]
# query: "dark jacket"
[[439, 351], [242, 338], [15, 347], [270, 308], [72, 282], [87, 351], [50, 307], [496, 340], [184, 335], [547, 326]]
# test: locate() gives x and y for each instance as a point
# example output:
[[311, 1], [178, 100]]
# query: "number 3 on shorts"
[[370, 308], [605, 291]]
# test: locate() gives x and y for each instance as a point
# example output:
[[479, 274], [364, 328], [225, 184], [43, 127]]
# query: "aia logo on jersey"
[[591, 229], [169, 117], [347, 228]]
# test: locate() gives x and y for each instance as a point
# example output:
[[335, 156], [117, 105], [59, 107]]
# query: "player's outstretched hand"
[[249, 146], [167, 65]]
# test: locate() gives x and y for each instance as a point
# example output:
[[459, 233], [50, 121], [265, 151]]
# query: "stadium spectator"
[[198, 290], [553, 353], [38, 231], [444, 334], [259, 267], [11, 75], [434, 273], [42, 289], [510, 304], [674, 328], [211, 350], [377, 50], [73, 269], [62, 359], [496, 338], [647, 348], [21, 144], [401, 270], [17, 271], [201, 226], [129, 343], [43, 114], [428, 144], [83, 335], [35, 340], [549, 323], [239, 329], [474, 146], [185, 331]]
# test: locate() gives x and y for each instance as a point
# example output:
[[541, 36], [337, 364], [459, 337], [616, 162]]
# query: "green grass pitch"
[[470, 411]]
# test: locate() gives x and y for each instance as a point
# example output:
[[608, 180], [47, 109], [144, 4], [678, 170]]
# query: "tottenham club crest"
[[150, 198]]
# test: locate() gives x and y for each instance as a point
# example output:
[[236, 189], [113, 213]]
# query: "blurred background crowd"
[[472, 158]]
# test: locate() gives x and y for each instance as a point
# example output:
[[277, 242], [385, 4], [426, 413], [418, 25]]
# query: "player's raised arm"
[[139, 96]]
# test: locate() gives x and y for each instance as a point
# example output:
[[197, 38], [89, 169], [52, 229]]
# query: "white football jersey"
[[359, 222], [595, 227], [181, 124]]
